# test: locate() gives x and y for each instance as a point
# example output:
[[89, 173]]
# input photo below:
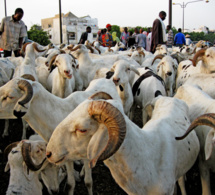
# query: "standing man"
[[108, 36], [12, 31], [84, 35], [141, 39], [124, 36], [158, 31], [170, 39], [179, 39]]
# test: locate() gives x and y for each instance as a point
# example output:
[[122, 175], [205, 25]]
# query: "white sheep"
[[203, 62], [22, 180], [142, 161], [44, 111], [200, 103], [61, 81], [121, 75], [145, 88]]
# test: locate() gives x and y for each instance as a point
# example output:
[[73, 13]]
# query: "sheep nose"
[[48, 154], [67, 71], [169, 73], [54, 192], [116, 80]]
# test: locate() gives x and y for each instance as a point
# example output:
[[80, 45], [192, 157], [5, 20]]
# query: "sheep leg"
[[6, 126], [70, 177], [205, 179], [181, 183], [144, 117], [88, 177], [24, 128], [131, 113]]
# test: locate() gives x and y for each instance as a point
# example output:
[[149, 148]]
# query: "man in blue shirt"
[[179, 39]]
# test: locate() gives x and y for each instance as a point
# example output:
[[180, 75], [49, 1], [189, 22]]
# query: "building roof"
[[70, 15]]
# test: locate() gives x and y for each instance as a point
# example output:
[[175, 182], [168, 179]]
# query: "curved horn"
[[141, 52], [98, 50], [51, 62], [12, 73], [135, 70], [62, 45], [110, 50], [29, 77], [26, 154], [9, 148], [198, 54], [100, 95], [50, 46], [111, 117], [27, 88], [70, 46], [174, 56], [35, 46], [205, 119], [62, 51], [90, 48], [24, 46], [76, 48], [160, 56]]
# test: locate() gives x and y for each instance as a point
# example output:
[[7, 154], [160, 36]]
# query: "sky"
[[116, 12]]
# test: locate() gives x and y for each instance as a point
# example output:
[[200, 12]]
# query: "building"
[[203, 29], [72, 28]]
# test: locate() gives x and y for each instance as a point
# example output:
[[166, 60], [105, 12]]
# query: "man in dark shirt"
[[158, 31], [85, 35]]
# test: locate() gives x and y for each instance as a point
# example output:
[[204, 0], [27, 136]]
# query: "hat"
[[108, 25], [187, 36]]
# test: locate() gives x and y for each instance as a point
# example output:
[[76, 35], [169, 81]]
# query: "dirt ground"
[[103, 183]]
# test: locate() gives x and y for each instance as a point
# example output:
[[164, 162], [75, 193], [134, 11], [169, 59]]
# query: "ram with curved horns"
[[99, 130]]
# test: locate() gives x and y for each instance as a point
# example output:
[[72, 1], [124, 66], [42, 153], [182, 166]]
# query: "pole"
[[60, 20], [5, 8], [183, 17], [170, 12]]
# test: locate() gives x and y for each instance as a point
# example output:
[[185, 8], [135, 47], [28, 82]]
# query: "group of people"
[[147, 40], [13, 31]]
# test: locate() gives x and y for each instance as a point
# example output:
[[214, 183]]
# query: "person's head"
[[108, 26], [136, 30], [162, 15], [130, 33], [141, 30], [88, 29], [104, 30], [168, 27], [126, 29], [148, 30], [18, 14], [179, 30]]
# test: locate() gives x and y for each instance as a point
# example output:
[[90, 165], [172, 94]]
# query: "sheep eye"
[[4, 98], [14, 151], [129, 69], [81, 130], [208, 55]]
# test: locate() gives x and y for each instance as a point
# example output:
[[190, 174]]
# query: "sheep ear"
[[209, 144], [97, 143], [7, 167]]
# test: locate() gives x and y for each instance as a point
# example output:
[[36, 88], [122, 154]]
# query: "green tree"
[[116, 29], [38, 35]]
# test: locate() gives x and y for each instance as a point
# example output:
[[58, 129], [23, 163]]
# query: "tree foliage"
[[38, 35], [116, 29]]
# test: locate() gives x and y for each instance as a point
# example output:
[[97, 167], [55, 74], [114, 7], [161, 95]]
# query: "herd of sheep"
[[81, 99]]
